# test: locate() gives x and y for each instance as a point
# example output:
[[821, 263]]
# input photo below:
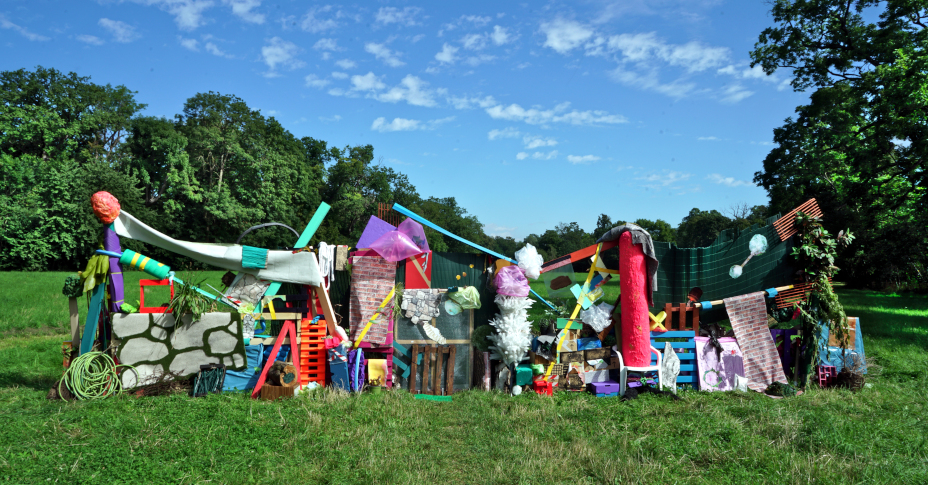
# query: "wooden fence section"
[[785, 225], [432, 372]]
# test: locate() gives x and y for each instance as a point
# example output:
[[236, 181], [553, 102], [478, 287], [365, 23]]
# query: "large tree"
[[859, 146]]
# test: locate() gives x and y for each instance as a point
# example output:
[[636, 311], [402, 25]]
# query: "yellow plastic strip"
[[573, 316], [143, 263], [374, 317], [134, 260]]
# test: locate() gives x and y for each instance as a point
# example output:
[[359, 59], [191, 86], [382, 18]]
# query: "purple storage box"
[[607, 387]]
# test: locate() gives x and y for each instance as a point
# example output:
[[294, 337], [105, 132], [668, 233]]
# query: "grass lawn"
[[879, 435]]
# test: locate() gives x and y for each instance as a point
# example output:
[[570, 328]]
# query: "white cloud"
[[279, 52], [537, 155], [189, 44], [412, 90], [122, 32], [367, 82], [708, 138], [650, 81], [243, 9], [477, 60], [535, 141], [326, 45], [381, 52], [474, 41], [468, 103], [314, 22], [346, 64], [493, 230], [393, 15], [403, 124], [558, 114], [476, 20], [582, 159], [692, 56], [330, 119], [446, 56], [509, 132], [214, 50], [906, 143], [314, 82], [91, 39], [664, 178], [756, 72], [734, 93], [188, 14], [339, 75], [6, 24], [728, 181], [565, 35], [500, 36]]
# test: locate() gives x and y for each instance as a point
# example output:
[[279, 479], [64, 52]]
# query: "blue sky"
[[529, 114]]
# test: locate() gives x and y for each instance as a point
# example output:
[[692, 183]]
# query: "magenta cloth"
[[374, 229], [416, 232], [372, 278], [511, 281], [395, 246], [715, 375], [111, 243], [748, 316]]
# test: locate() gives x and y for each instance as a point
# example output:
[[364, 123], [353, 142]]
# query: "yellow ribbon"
[[374, 317], [573, 316]]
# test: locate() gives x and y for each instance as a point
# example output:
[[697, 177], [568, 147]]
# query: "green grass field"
[[878, 435]]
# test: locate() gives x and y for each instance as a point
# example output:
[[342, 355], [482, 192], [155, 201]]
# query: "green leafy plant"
[[187, 300], [815, 256]]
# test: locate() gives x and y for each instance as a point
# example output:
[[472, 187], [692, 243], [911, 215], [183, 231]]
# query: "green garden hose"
[[92, 376]]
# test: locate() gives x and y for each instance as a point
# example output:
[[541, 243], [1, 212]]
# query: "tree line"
[[216, 169]]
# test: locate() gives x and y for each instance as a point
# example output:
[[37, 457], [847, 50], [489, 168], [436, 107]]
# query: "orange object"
[[105, 206], [312, 352]]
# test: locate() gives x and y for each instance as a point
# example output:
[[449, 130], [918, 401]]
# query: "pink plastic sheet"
[[511, 281], [416, 232], [395, 246]]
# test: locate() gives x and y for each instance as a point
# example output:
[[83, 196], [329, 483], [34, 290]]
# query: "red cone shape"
[[636, 341]]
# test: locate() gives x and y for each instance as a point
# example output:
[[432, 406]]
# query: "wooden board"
[[576, 256], [413, 368]]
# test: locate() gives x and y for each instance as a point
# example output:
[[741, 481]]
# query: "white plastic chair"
[[623, 370]]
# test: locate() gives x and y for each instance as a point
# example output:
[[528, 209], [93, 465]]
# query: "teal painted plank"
[[400, 363], [403, 350], [674, 334], [676, 345], [93, 316], [304, 239]]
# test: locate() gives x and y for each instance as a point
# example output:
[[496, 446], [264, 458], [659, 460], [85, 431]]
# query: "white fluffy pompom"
[[513, 331], [530, 261]]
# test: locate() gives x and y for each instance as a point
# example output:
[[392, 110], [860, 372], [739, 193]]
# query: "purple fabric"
[[374, 229], [786, 352], [713, 374], [111, 243]]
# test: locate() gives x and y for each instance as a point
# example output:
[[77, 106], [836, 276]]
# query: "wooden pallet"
[[785, 225], [431, 375], [681, 317]]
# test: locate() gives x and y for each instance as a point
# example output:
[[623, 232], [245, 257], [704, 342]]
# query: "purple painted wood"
[[111, 243]]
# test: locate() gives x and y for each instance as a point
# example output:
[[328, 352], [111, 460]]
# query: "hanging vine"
[[815, 256]]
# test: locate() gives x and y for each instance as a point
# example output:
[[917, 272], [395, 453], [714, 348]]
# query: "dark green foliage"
[[859, 146]]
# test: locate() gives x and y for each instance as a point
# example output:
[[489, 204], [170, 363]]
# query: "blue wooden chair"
[[688, 373]]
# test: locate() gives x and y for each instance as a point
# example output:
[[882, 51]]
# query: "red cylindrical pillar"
[[636, 341]]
